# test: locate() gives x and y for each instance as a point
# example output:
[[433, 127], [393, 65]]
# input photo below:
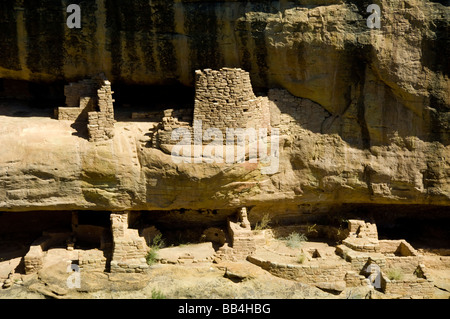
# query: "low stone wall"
[[90, 101], [308, 274], [172, 119], [363, 236], [80, 99], [33, 260], [362, 229], [72, 113], [362, 244], [397, 247], [311, 231], [418, 285], [354, 279], [359, 260], [405, 264], [92, 260], [155, 116]]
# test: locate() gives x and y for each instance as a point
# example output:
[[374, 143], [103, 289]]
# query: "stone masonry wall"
[[80, 99], [225, 99], [129, 249], [171, 119], [308, 274], [101, 123], [243, 241], [90, 101], [93, 260], [419, 284]]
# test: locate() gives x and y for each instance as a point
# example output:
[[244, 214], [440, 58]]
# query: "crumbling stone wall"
[[418, 284], [359, 260], [129, 249], [224, 99], [80, 99], [363, 236], [171, 119], [308, 274], [243, 242], [34, 259], [93, 260], [90, 101], [101, 123]]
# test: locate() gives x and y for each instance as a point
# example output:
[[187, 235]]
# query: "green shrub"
[[157, 242], [152, 255], [294, 240], [157, 294]]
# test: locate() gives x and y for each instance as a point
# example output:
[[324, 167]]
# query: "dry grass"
[[395, 274], [263, 223], [295, 240]]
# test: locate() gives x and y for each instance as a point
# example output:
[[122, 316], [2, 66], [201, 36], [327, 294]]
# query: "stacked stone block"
[[172, 119], [34, 258], [362, 229], [419, 287], [419, 284], [224, 99], [90, 101], [92, 260], [129, 249], [80, 99], [308, 274], [359, 260], [101, 123], [243, 243], [353, 279], [363, 236]]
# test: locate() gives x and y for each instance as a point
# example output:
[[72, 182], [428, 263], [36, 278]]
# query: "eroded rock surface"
[[363, 113]]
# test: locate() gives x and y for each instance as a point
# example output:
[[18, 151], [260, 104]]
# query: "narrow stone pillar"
[[119, 224], [129, 249], [242, 239]]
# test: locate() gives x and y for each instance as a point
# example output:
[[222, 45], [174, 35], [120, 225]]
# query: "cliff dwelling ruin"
[[228, 149], [334, 256]]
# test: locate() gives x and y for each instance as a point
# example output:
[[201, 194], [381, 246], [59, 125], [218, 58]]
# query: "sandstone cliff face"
[[380, 133], [373, 82]]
